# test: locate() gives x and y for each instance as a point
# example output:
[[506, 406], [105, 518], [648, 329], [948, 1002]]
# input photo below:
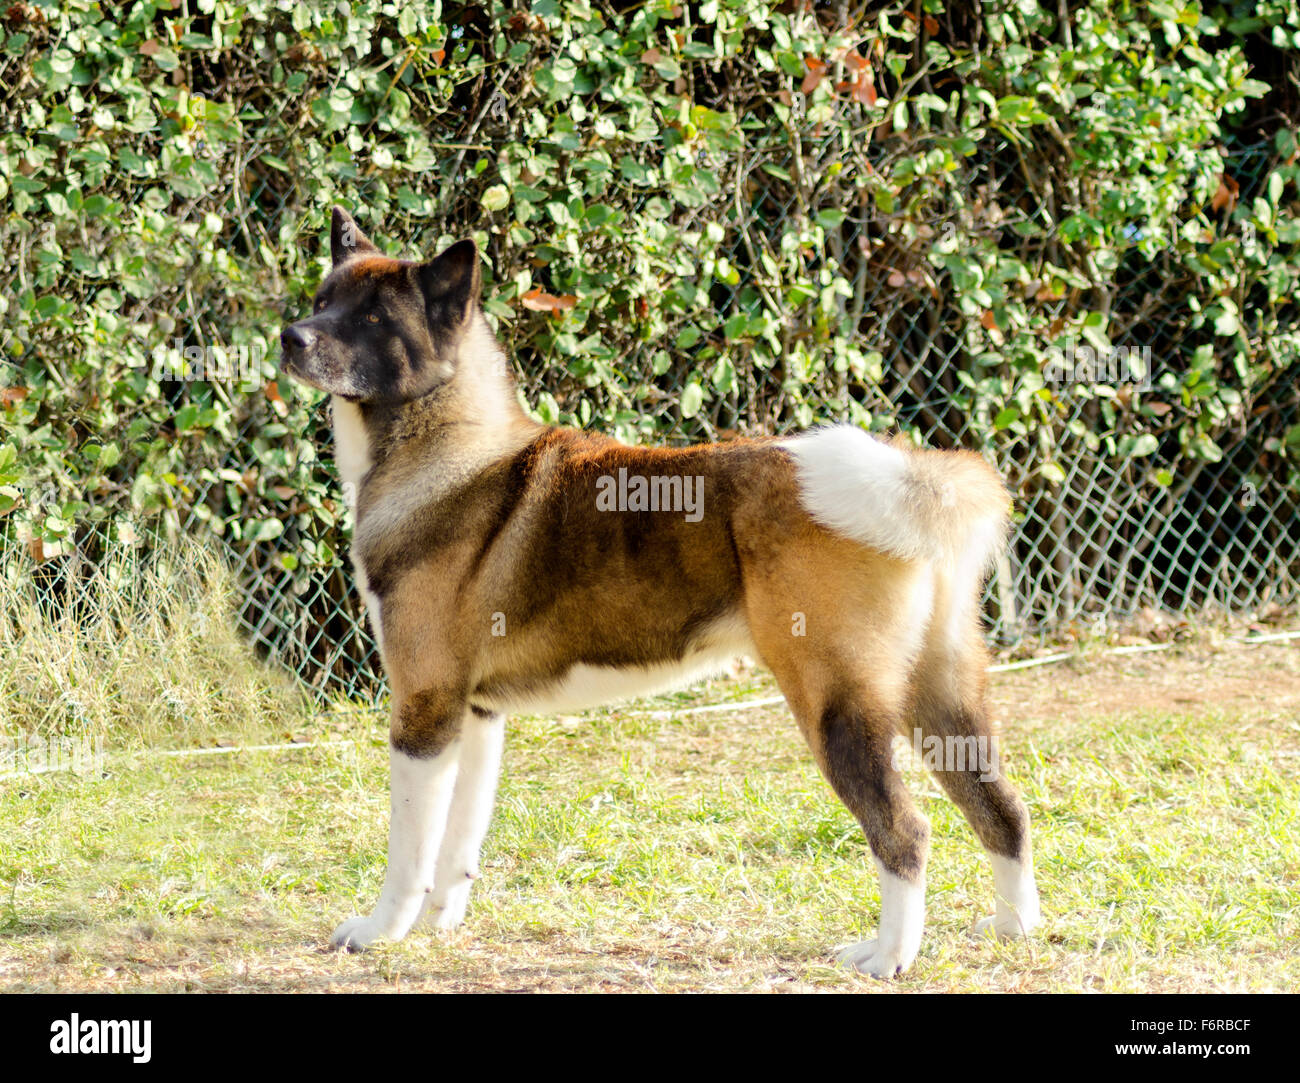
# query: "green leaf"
[[1138, 446], [186, 416], [496, 198], [692, 399]]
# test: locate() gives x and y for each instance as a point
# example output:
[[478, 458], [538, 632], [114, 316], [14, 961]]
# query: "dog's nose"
[[294, 337]]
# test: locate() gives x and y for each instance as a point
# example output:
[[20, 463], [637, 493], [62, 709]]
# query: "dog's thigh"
[[482, 740]]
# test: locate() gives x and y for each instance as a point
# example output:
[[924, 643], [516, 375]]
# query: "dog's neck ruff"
[[394, 460]]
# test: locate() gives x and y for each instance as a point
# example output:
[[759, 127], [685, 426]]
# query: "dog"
[[510, 566]]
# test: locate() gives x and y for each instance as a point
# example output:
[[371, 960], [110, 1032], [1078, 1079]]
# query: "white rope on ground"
[[230, 749], [740, 705], [1028, 663], [1005, 667], [708, 707], [1271, 637], [223, 750]]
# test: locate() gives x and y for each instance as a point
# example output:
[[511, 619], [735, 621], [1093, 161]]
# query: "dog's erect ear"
[[346, 238], [451, 283]]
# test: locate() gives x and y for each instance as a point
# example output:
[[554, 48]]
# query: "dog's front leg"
[[421, 794], [467, 822]]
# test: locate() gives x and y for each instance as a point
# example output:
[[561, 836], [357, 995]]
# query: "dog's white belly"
[[592, 686]]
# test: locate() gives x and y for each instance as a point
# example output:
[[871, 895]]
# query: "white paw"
[[1016, 913], [870, 957], [446, 910], [1004, 926], [356, 934], [449, 915]]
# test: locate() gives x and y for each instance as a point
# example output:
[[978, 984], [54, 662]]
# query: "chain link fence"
[[1109, 541]]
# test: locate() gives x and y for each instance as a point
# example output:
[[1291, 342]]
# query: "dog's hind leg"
[[853, 750], [471, 808], [947, 707], [423, 755], [842, 663]]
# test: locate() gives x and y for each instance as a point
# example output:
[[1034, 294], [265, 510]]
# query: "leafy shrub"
[[697, 218]]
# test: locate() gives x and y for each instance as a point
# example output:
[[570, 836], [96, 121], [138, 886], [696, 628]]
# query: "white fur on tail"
[[945, 507]]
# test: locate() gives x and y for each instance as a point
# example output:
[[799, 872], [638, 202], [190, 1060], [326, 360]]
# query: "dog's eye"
[[372, 317], [320, 303]]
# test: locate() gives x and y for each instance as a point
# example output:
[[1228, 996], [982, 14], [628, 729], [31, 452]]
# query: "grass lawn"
[[640, 851]]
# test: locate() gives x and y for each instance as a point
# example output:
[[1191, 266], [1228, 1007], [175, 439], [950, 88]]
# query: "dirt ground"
[[1256, 682]]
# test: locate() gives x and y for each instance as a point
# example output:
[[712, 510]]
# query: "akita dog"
[[509, 566]]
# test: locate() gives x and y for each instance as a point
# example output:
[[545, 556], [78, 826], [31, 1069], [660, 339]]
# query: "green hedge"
[[697, 218]]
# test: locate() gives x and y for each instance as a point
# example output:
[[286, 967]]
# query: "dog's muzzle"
[[295, 339]]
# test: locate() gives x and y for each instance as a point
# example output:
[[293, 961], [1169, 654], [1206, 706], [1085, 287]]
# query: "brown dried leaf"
[[538, 301], [1226, 195], [816, 73], [526, 21], [278, 404]]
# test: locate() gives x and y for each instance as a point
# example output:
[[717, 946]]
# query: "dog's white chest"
[[352, 457], [351, 448]]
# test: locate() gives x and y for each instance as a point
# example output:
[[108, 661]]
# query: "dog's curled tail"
[[946, 507]]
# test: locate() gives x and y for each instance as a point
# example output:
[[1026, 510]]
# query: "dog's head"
[[383, 330]]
